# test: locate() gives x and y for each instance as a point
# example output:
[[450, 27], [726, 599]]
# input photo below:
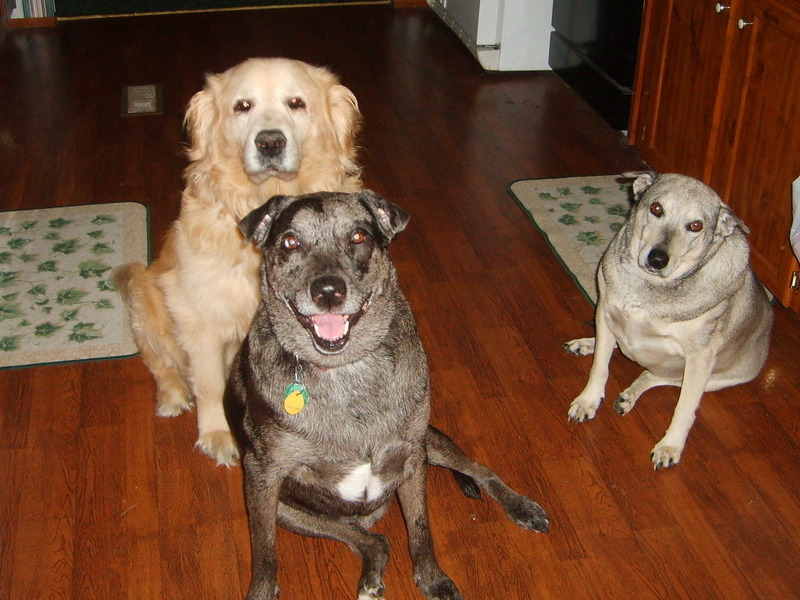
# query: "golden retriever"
[[267, 126]]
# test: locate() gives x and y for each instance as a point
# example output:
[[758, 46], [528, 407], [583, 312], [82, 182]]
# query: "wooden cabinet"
[[717, 97]]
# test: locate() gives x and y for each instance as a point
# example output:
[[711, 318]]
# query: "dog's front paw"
[[580, 347], [375, 555], [665, 456], [583, 409], [372, 593], [220, 446]]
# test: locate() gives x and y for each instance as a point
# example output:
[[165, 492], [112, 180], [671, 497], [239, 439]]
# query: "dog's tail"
[[122, 277]]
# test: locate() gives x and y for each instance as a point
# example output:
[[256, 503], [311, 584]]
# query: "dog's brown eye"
[[695, 226], [242, 106], [656, 209], [296, 103], [359, 237], [290, 242]]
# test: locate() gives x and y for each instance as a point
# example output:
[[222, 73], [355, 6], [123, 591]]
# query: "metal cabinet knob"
[[721, 7], [742, 24]]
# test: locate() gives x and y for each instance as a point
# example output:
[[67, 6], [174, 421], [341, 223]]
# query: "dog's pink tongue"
[[329, 327]]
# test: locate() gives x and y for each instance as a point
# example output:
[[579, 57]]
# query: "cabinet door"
[[680, 68], [759, 142]]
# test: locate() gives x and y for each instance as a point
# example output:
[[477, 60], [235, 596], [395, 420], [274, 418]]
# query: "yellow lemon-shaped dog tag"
[[296, 398]]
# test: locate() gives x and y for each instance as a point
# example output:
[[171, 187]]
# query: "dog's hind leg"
[[444, 452], [628, 397], [172, 393], [152, 329], [373, 548]]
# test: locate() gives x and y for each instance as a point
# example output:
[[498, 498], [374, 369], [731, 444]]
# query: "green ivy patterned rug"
[[57, 300], [578, 217]]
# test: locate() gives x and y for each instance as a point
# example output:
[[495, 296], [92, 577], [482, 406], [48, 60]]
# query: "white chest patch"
[[361, 484]]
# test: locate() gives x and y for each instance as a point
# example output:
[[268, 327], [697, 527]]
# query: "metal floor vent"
[[139, 100]]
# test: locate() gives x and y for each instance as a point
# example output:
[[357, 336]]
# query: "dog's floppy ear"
[[727, 221], [256, 225], [201, 117], [345, 115], [642, 183], [390, 218]]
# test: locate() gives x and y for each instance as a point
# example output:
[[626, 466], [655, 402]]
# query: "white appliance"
[[504, 35]]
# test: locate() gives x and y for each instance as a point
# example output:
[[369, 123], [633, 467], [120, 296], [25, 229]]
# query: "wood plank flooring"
[[99, 498]]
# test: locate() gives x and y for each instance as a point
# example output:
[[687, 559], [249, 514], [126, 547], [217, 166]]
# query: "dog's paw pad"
[[665, 456], [219, 445], [582, 410], [580, 347]]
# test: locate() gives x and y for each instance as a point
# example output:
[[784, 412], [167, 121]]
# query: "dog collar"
[[295, 397]]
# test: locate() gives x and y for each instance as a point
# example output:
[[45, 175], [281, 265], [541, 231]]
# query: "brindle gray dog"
[[329, 396]]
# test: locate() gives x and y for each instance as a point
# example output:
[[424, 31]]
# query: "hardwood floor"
[[99, 498]]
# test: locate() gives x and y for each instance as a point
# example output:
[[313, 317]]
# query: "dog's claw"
[[665, 456], [578, 418], [580, 410]]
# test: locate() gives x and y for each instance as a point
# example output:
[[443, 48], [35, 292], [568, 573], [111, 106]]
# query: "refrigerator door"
[[504, 35]]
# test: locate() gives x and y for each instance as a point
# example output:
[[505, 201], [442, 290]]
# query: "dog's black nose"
[[328, 292], [270, 142], [658, 258]]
